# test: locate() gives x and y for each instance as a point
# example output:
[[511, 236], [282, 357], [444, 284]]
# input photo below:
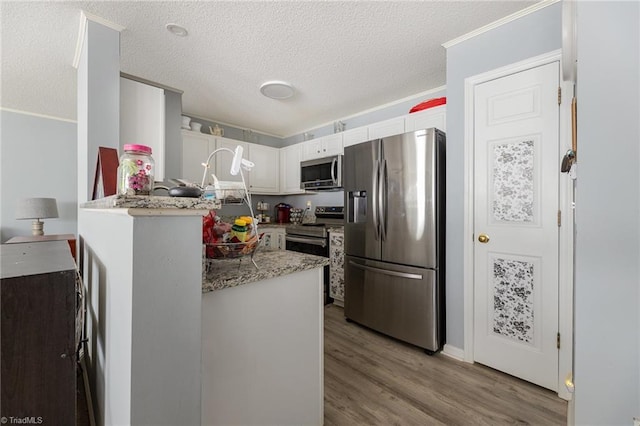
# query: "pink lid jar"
[[136, 170]]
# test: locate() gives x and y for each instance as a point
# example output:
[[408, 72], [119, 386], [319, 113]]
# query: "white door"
[[516, 178]]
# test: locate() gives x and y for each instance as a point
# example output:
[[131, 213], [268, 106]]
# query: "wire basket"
[[232, 250]]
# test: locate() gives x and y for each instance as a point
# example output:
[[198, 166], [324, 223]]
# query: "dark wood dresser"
[[38, 332]]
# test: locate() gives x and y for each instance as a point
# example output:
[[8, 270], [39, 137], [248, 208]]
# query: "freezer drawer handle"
[[386, 272]]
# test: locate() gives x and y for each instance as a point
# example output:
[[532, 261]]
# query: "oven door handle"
[[313, 241]]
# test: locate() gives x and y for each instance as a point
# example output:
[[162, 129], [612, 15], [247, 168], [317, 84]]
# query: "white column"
[[98, 100], [143, 279]]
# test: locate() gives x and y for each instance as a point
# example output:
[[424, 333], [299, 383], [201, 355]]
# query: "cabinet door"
[[224, 158], [312, 149], [395, 126], [322, 147], [355, 136], [267, 238], [432, 117], [142, 119], [331, 145], [265, 176], [290, 157], [196, 147], [282, 241]]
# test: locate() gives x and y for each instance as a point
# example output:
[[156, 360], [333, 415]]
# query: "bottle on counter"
[[239, 230], [136, 170]]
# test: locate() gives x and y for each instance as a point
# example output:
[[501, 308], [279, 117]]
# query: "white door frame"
[[565, 271]]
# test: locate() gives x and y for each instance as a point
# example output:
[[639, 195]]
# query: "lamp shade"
[[36, 208]]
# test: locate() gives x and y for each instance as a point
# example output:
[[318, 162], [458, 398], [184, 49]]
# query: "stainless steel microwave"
[[321, 173]]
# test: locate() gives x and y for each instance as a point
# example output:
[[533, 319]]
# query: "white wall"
[[523, 38], [38, 160], [607, 287]]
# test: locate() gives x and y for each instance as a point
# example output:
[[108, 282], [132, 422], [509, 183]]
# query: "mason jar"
[[136, 169]]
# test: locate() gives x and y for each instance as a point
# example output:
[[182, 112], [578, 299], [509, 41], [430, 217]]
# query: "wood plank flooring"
[[371, 379]]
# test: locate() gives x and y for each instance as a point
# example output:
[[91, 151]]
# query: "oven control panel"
[[336, 212]]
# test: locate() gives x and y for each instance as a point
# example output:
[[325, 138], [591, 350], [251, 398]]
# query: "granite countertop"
[[223, 273], [151, 202]]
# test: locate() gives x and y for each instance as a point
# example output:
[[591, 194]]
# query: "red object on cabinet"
[[429, 104]]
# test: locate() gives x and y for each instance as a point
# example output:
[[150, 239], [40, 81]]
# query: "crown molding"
[[33, 114], [82, 32], [517, 15]]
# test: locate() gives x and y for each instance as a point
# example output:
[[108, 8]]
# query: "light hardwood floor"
[[371, 379]]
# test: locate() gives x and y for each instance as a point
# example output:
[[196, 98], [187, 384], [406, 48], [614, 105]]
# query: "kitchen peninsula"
[[176, 339]]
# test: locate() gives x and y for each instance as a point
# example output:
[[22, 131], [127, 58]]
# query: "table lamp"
[[37, 208]]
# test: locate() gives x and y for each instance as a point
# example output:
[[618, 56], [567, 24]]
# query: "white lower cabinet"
[[336, 267], [273, 238]]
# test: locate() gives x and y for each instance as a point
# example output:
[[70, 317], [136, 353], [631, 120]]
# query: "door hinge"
[[558, 340], [559, 95], [559, 218]]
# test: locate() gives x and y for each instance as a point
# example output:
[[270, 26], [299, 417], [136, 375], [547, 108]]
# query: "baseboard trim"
[[453, 352]]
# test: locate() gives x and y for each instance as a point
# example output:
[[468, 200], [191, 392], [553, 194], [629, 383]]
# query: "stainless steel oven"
[[313, 238]]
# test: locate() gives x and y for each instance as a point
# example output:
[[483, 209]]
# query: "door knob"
[[483, 238]]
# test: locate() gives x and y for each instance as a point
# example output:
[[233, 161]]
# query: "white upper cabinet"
[[277, 171], [290, 158], [223, 159], [142, 120], [432, 117], [322, 147], [264, 178], [382, 129], [355, 136], [196, 147]]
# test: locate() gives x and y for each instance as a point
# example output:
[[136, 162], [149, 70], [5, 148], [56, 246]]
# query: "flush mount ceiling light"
[[177, 30], [277, 89]]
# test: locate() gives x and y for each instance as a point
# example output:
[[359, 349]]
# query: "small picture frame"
[[105, 181]]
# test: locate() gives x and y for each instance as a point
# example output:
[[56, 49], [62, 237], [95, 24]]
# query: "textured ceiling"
[[342, 57]]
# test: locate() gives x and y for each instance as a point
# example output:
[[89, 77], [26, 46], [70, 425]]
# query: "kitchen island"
[[170, 345], [262, 340]]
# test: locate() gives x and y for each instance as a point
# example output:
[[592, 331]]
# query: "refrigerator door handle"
[[386, 271], [374, 198], [384, 208]]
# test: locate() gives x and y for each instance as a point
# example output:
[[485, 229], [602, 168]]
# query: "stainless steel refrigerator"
[[394, 236]]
